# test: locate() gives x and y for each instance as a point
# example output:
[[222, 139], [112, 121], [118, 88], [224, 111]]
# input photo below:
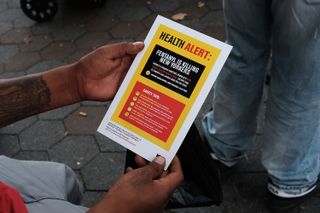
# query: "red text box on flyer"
[[151, 111]]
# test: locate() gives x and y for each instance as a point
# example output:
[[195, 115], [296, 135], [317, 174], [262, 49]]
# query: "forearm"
[[33, 94]]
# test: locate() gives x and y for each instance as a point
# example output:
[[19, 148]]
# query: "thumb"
[[134, 48], [154, 169]]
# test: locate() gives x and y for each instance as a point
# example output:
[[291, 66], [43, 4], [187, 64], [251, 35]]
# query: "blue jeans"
[[288, 31]]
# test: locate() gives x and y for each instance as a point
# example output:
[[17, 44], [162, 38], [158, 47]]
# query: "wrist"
[[63, 86], [76, 82]]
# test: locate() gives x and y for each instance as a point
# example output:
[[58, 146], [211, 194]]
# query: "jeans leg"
[[291, 151], [231, 126]]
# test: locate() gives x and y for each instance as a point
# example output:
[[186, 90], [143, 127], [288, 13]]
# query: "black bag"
[[201, 185]]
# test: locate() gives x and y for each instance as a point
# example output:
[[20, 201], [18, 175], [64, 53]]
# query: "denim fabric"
[[288, 31]]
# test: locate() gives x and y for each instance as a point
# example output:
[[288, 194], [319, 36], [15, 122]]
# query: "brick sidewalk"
[[62, 135]]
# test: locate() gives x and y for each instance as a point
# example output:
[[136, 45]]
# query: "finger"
[[134, 48], [165, 173], [129, 169], [154, 169], [175, 176], [123, 49], [140, 161]]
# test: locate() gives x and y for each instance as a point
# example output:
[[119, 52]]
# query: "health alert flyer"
[[164, 90]]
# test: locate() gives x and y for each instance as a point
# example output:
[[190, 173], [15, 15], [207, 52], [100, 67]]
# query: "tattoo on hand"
[[22, 98]]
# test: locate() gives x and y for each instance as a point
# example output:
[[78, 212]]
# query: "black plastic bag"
[[201, 185]]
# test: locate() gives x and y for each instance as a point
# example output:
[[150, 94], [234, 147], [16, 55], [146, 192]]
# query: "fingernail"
[[137, 43], [160, 160]]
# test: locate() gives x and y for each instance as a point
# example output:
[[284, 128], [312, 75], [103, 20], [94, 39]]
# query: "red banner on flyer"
[[151, 111]]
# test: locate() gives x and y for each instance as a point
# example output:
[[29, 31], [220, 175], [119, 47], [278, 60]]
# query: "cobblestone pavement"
[[62, 135]]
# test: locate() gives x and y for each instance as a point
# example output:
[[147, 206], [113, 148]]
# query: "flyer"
[[164, 90]]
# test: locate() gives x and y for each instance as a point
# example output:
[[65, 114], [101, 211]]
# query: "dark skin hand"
[[96, 76], [99, 79], [147, 189]]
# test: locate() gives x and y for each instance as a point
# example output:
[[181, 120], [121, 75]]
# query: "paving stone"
[[107, 145], [41, 135], [16, 35], [211, 209], [90, 198], [74, 151], [29, 155], [1, 68], [36, 43], [243, 193], [127, 30], [216, 32], [5, 26], [193, 11], [113, 7], [14, 4], [7, 51], [68, 32], [134, 13], [251, 162], [103, 171], [75, 13], [101, 24], [58, 51], [195, 24], [22, 61], [23, 21], [44, 28], [135, 3], [214, 18], [44, 66], [82, 125], [164, 6], [77, 55], [9, 145], [17, 127], [12, 74], [215, 4], [191, 2], [10, 15], [3, 6], [148, 21], [59, 113], [96, 103], [312, 205], [142, 36], [93, 40]]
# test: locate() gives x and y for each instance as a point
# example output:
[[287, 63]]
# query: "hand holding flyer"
[[164, 90]]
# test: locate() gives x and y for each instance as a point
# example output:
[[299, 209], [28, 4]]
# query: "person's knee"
[[74, 189]]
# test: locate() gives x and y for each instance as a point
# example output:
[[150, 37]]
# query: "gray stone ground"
[[62, 135]]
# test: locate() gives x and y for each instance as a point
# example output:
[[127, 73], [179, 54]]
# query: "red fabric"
[[10, 200]]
